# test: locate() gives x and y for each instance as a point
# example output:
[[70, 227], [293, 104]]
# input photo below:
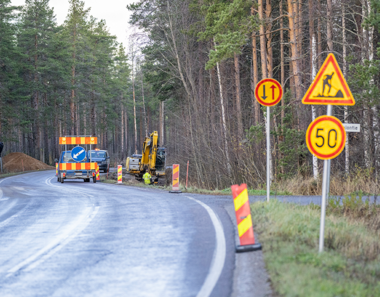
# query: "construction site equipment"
[[152, 160]]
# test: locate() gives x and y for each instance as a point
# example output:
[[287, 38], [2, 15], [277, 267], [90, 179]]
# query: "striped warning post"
[[97, 172], [119, 174], [77, 166], [78, 140], [56, 169], [175, 176], [244, 219]]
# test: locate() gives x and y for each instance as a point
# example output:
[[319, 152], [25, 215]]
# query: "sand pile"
[[14, 163]]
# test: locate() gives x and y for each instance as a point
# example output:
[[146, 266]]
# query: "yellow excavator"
[[152, 160]]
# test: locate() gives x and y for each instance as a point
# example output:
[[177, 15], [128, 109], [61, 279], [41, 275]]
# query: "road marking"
[[60, 241], [219, 257]]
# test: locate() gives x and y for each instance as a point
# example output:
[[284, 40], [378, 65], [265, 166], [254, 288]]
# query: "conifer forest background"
[[189, 72]]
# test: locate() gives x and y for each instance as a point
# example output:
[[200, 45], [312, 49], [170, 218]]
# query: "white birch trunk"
[[347, 146], [162, 128], [313, 113], [223, 119], [367, 47], [122, 129]]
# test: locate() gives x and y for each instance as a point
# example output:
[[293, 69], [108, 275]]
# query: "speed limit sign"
[[326, 137]]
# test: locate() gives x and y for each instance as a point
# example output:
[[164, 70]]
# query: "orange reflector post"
[[56, 169], [175, 176], [119, 174], [97, 172], [244, 219]]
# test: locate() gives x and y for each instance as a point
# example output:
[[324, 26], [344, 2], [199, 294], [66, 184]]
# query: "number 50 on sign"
[[326, 137]]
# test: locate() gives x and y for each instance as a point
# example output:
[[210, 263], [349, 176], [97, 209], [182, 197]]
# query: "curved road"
[[85, 239]]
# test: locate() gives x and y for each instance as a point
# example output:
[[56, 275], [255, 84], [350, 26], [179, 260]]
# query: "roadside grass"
[[289, 233], [360, 181], [227, 191]]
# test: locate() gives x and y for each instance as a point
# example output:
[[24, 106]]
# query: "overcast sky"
[[113, 11]]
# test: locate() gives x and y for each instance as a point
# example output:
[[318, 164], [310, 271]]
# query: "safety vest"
[[146, 178]]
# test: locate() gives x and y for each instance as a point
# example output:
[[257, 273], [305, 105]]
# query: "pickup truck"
[[69, 169]]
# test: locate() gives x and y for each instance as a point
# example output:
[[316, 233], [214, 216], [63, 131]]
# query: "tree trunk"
[[268, 12], [263, 50], [238, 95]]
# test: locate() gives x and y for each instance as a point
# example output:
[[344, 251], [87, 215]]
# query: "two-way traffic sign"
[[268, 92]]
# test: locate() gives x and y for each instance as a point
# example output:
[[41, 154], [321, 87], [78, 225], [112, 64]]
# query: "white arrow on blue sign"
[[78, 154]]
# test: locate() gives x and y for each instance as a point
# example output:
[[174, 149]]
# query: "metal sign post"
[[325, 192], [268, 92], [268, 153]]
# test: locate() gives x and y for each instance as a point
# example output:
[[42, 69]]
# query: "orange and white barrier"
[[56, 169], [244, 219], [78, 140], [119, 174], [97, 172], [78, 166], [175, 179]]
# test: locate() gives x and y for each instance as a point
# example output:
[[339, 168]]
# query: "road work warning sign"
[[329, 86]]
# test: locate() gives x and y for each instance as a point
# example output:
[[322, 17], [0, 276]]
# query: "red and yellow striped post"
[[175, 178], [97, 172], [244, 219], [56, 169], [119, 174]]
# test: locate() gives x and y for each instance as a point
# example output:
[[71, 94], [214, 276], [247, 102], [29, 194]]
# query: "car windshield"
[[98, 154], [68, 159]]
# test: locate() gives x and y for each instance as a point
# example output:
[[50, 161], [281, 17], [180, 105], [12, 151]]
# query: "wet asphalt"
[[86, 239]]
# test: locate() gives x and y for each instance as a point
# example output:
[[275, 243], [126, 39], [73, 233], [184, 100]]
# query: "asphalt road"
[[85, 239]]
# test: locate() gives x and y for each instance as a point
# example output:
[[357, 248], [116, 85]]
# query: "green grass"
[[350, 265], [227, 191]]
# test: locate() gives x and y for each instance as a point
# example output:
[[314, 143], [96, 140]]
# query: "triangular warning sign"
[[329, 86]]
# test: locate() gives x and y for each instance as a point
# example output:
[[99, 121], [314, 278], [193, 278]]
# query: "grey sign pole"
[[325, 191], [268, 153]]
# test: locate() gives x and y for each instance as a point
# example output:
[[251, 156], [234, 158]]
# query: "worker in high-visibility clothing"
[[147, 178]]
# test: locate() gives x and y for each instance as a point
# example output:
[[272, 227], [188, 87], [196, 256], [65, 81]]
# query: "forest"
[[189, 72]]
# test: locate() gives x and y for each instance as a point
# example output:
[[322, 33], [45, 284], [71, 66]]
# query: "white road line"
[[58, 243], [219, 257]]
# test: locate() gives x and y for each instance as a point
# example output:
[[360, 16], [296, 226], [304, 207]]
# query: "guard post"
[[175, 180]]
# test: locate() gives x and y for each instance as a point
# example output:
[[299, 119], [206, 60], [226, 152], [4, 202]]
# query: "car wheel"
[[94, 179], [62, 180]]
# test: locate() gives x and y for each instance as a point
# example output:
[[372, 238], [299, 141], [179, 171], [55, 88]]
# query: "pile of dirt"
[[18, 162]]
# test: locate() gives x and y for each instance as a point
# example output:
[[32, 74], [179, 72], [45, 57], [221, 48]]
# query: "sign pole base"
[[175, 192], [248, 248]]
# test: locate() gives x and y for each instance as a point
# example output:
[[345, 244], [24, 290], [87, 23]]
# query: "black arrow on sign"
[[264, 97]]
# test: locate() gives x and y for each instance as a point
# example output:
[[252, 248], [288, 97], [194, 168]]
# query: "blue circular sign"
[[78, 153]]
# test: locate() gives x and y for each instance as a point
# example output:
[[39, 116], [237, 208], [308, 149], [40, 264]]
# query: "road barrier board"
[[78, 140], [77, 166]]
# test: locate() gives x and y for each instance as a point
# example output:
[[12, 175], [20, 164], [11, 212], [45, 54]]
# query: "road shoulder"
[[250, 275]]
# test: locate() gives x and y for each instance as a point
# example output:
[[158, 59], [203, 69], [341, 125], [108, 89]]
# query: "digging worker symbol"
[[327, 82]]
